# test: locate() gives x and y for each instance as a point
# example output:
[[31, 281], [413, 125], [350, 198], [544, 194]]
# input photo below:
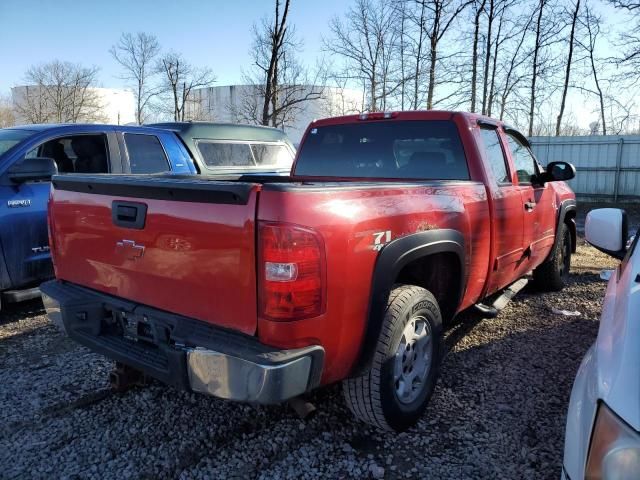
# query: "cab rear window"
[[420, 150]]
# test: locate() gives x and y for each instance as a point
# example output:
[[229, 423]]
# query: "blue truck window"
[[76, 153], [146, 154]]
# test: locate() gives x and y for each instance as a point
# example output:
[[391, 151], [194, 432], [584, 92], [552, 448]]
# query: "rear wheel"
[[395, 391], [553, 274]]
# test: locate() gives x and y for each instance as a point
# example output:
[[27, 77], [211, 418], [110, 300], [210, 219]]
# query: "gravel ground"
[[497, 412]]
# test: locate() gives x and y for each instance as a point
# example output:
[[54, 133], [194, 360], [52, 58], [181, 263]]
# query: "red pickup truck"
[[260, 289]]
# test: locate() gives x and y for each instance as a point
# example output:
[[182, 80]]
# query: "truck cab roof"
[[72, 127], [223, 130]]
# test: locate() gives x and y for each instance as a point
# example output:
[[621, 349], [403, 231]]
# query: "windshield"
[[10, 137], [427, 150]]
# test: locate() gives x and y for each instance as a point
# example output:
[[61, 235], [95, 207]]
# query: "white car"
[[602, 439]]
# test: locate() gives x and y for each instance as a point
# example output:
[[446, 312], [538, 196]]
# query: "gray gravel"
[[497, 412]]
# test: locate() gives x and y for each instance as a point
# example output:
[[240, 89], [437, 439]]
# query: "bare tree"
[[499, 44], [535, 65], [629, 38], [280, 84], [249, 107], [478, 7], [544, 57], [443, 13], [270, 45], [591, 23], [7, 116], [414, 35], [514, 75], [340, 99], [59, 92], [401, 26], [136, 54], [570, 41], [491, 16], [180, 80], [366, 41]]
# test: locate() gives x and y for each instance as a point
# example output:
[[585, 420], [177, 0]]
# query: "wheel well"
[[570, 221], [440, 274]]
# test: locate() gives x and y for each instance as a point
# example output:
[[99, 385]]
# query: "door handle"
[[129, 214], [528, 206]]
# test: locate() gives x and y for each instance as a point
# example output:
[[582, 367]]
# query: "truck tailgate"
[[184, 245]]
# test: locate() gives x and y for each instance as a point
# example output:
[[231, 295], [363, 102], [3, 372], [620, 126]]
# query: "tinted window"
[[495, 155], [9, 138], [221, 154], [386, 149], [523, 160], [146, 154], [76, 153], [272, 155]]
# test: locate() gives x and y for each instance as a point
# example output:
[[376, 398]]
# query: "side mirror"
[[607, 230], [557, 172], [35, 168]]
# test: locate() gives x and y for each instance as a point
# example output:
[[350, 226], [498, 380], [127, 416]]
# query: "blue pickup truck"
[[30, 154]]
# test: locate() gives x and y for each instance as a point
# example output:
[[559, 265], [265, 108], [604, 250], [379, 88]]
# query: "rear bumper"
[[183, 352], [21, 295]]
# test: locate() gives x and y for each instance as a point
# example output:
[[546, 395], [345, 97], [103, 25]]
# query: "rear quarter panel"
[[348, 218]]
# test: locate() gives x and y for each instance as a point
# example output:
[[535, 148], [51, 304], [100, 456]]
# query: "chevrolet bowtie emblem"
[[129, 249]]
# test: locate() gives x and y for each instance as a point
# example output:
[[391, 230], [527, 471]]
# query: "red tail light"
[[291, 275]]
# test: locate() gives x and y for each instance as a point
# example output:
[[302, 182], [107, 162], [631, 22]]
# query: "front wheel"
[[395, 391], [553, 274]]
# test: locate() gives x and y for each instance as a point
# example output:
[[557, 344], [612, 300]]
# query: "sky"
[[212, 33], [209, 33]]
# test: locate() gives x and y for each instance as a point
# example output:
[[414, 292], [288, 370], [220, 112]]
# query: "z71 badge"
[[380, 239], [18, 203]]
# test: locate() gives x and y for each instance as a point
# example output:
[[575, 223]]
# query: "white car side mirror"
[[607, 230]]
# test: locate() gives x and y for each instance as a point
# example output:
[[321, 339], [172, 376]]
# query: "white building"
[[107, 105], [239, 103], [119, 105]]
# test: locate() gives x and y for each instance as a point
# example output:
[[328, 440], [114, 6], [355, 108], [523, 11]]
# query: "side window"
[[222, 154], [76, 153], [495, 155], [523, 160], [146, 154], [33, 153], [272, 155]]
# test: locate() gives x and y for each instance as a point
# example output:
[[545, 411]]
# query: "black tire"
[[553, 274], [373, 397]]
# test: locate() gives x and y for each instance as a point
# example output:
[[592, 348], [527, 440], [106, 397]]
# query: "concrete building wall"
[[239, 104]]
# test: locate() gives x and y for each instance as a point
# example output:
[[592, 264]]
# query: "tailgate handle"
[[129, 214]]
